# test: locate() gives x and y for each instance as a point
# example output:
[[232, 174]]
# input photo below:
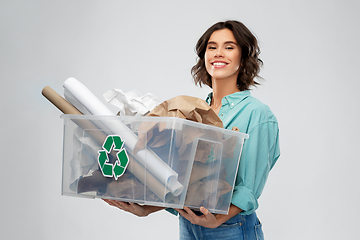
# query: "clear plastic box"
[[159, 161]]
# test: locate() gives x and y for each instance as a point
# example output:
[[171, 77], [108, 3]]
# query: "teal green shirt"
[[260, 151]]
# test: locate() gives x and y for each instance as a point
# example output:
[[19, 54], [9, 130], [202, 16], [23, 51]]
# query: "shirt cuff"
[[245, 199], [172, 211]]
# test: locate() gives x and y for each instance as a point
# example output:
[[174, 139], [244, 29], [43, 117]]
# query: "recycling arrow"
[[116, 170]]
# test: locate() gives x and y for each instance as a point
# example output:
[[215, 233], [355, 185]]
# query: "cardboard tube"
[[67, 108], [136, 169], [59, 101]]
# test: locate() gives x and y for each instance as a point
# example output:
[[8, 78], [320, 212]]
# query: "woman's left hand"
[[208, 219]]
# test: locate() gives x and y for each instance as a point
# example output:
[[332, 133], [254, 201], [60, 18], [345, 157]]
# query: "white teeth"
[[219, 64]]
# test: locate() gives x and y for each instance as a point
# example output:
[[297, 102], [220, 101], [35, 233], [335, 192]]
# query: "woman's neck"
[[221, 88]]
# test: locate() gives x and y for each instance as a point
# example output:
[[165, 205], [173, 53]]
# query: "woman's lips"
[[218, 64]]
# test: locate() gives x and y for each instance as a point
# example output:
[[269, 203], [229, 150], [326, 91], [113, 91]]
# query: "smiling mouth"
[[219, 64]]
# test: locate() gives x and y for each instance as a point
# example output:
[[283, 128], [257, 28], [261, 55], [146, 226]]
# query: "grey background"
[[310, 51]]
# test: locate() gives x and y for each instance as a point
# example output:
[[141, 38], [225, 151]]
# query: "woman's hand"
[[134, 208], [208, 219]]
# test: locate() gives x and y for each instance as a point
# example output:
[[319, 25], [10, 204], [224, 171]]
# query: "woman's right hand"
[[134, 208]]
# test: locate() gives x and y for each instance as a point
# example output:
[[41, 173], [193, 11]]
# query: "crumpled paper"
[[83, 160], [131, 103], [185, 107], [131, 188], [206, 186], [190, 108]]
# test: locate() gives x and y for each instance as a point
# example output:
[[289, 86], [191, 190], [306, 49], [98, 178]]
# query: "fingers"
[[185, 212], [190, 212], [121, 205], [206, 220], [206, 212], [180, 211], [130, 207]]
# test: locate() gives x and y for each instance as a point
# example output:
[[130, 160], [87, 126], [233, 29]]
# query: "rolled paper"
[[66, 108], [69, 97], [59, 101], [149, 180], [145, 157], [135, 168]]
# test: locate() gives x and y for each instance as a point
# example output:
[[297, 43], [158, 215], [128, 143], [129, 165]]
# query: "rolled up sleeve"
[[260, 152]]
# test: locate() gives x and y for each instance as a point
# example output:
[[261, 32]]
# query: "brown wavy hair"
[[250, 61]]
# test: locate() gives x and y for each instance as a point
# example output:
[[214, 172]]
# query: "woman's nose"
[[218, 53]]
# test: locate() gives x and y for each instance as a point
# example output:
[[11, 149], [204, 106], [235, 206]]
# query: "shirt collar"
[[232, 99]]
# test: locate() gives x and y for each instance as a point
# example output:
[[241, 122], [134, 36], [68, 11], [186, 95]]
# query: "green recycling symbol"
[[113, 142]]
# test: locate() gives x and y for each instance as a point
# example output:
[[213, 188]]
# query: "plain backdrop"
[[310, 51]]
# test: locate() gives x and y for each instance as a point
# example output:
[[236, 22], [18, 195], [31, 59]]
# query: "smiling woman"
[[239, 38], [223, 57], [229, 63]]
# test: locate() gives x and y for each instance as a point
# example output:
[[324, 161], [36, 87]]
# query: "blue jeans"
[[239, 227]]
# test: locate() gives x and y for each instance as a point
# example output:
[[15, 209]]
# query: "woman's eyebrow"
[[228, 42]]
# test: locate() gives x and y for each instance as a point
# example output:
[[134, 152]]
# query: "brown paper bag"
[[200, 190], [185, 107], [190, 108]]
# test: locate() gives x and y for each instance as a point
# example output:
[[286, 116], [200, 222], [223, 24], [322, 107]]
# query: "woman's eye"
[[229, 48], [211, 47]]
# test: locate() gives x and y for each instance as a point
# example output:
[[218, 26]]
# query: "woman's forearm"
[[233, 211], [152, 209]]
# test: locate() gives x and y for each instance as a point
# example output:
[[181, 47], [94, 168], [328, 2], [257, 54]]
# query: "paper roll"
[[67, 108], [59, 101]]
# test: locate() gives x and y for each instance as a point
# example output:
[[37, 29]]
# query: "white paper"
[[131, 103], [83, 161], [71, 99]]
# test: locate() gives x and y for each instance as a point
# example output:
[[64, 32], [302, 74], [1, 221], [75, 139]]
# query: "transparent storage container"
[[159, 161]]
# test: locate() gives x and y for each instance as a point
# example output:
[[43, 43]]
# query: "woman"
[[229, 63]]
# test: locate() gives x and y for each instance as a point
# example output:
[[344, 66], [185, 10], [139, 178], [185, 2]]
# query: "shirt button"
[[222, 114], [232, 104]]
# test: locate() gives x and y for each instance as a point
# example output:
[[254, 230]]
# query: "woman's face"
[[222, 55]]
